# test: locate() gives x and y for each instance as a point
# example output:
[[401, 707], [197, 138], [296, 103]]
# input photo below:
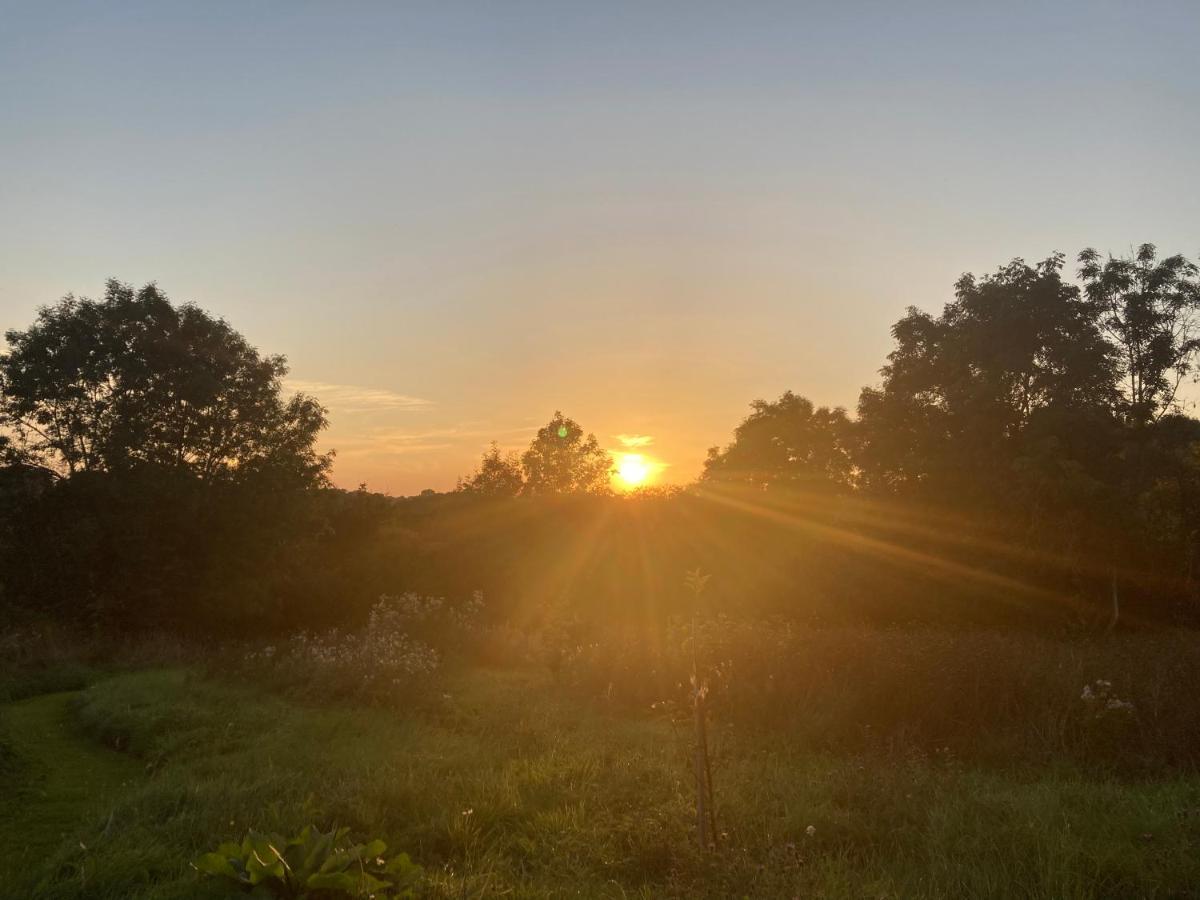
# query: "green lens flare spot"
[[562, 431]]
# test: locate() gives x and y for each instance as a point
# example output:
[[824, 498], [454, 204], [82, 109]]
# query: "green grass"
[[32, 681], [55, 780], [507, 787]]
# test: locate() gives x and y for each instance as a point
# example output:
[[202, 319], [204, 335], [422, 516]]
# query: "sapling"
[[706, 817]]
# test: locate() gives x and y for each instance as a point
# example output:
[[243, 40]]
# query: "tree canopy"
[[499, 475], [787, 441], [962, 391], [106, 385], [1148, 310], [561, 459]]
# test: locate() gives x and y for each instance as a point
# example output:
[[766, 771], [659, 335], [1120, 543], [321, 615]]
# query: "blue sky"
[[457, 218]]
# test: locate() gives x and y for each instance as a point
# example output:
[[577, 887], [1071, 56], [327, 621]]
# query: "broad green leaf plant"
[[315, 865]]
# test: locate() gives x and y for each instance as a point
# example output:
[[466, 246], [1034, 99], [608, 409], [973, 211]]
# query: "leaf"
[[216, 864], [402, 864], [336, 861], [333, 881], [317, 850]]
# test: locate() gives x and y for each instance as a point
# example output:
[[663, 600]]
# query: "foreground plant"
[[706, 817], [312, 865]]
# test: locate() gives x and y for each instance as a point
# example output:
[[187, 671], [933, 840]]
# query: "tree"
[[499, 475], [161, 479], [106, 385], [788, 441], [961, 390], [1148, 309], [561, 460]]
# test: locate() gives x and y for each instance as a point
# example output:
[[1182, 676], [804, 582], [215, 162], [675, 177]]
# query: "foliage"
[[998, 475], [313, 864], [788, 441], [962, 391], [1147, 308], [158, 476], [156, 548], [499, 475], [561, 460], [131, 379]]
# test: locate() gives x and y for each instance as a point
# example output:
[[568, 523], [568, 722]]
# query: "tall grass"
[[993, 697]]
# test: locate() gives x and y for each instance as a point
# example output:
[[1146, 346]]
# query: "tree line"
[[1029, 441]]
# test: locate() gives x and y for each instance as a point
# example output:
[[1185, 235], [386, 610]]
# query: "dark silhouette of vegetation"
[[131, 380], [786, 442], [159, 475], [1025, 460], [499, 475]]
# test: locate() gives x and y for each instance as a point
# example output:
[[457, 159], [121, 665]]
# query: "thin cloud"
[[635, 440], [397, 442], [351, 398]]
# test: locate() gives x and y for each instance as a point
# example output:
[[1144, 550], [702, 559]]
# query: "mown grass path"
[[61, 781]]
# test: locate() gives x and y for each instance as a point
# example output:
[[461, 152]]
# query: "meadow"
[[946, 647], [888, 764]]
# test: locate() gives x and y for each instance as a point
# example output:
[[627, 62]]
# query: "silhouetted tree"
[[499, 475], [174, 483], [787, 441], [961, 390], [561, 460], [1148, 309], [104, 385]]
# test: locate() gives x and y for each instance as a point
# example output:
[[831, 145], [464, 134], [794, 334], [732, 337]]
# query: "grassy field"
[[505, 786]]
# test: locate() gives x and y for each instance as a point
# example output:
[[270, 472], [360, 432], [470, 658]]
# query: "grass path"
[[60, 780]]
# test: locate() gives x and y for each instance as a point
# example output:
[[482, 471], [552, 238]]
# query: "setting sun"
[[633, 470]]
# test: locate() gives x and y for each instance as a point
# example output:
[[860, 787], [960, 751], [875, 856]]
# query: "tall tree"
[[105, 385], [499, 475], [562, 460], [786, 441], [1149, 311], [961, 390]]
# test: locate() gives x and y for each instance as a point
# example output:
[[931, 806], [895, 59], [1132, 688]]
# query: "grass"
[[54, 781], [992, 697], [505, 786]]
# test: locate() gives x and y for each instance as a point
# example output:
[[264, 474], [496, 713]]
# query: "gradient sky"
[[456, 219]]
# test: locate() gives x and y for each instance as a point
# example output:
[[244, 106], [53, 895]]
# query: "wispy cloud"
[[396, 442], [634, 440], [351, 398]]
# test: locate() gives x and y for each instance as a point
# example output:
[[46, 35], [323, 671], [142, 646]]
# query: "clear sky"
[[455, 219]]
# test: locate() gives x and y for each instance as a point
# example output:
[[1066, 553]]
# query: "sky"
[[456, 219]]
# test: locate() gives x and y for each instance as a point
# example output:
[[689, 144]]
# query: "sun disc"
[[633, 469]]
